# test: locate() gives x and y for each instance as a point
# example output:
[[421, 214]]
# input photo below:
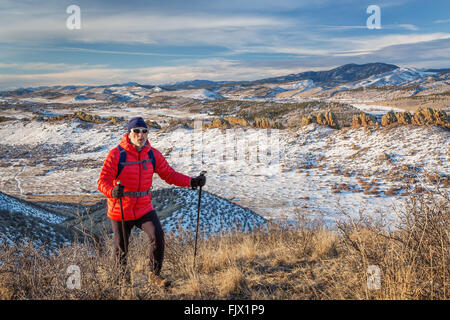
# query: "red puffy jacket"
[[135, 177]]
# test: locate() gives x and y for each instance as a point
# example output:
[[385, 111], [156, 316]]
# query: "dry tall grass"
[[302, 261]]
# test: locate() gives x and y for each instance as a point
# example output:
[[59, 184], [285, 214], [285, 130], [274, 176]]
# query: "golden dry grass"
[[305, 261]]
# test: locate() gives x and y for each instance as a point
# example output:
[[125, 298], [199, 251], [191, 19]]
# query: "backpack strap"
[[151, 156], [123, 160]]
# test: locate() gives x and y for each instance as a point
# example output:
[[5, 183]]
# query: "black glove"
[[198, 181], [117, 192]]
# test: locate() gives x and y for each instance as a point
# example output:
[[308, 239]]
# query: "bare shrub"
[[293, 259], [413, 254]]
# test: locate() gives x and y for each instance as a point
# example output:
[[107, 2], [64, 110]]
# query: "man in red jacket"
[[136, 177]]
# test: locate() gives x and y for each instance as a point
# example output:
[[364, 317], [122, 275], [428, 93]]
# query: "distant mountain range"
[[193, 84], [298, 85], [345, 73]]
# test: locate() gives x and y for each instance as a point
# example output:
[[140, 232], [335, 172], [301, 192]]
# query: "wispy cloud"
[[130, 28], [410, 27], [174, 40], [375, 43], [135, 53], [347, 46], [405, 26], [442, 21], [44, 66]]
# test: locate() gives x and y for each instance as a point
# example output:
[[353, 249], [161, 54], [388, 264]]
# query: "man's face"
[[137, 137]]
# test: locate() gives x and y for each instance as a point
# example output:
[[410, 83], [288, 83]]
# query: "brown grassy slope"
[[302, 262]]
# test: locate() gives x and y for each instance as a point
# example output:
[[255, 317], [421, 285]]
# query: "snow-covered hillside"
[[12, 204], [314, 170], [217, 215], [397, 77], [22, 221], [298, 85], [198, 94]]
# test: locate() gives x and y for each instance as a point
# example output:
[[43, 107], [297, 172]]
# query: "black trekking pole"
[[198, 217], [123, 222]]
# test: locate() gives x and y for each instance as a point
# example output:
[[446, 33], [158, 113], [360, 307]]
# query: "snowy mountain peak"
[[397, 77]]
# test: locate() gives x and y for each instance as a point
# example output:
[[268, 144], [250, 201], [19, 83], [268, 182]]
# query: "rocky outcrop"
[[396, 117], [364, 120], [231, 122], [262, 123], [326, 119], [404, 117], [78, 115], [389, 118], [331, 120], [423, 116], [266, 123], [236, 122], [218, 123], [308, 119]]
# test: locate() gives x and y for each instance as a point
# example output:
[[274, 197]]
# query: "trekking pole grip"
[[119, 183], [202, 174]]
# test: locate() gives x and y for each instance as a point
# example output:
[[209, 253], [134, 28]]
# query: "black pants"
[[149, 223]]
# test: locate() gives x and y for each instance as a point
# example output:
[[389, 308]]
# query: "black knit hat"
[[135, 123]]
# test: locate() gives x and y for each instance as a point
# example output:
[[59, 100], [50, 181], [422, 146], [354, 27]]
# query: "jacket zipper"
[[139, 183]]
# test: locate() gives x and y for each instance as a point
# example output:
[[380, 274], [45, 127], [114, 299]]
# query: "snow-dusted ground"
[[300, 173], [13, 205], [199, 94], [397, 77], [217, 215], [22, 221], [150, 113], [64, 100]]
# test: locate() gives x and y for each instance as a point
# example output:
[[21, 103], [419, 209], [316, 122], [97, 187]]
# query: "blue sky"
[[156, 42]]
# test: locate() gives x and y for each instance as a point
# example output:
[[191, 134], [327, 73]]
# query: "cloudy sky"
[[156, 42]]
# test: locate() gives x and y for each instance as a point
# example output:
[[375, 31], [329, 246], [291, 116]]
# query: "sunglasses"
[[139, 130]]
